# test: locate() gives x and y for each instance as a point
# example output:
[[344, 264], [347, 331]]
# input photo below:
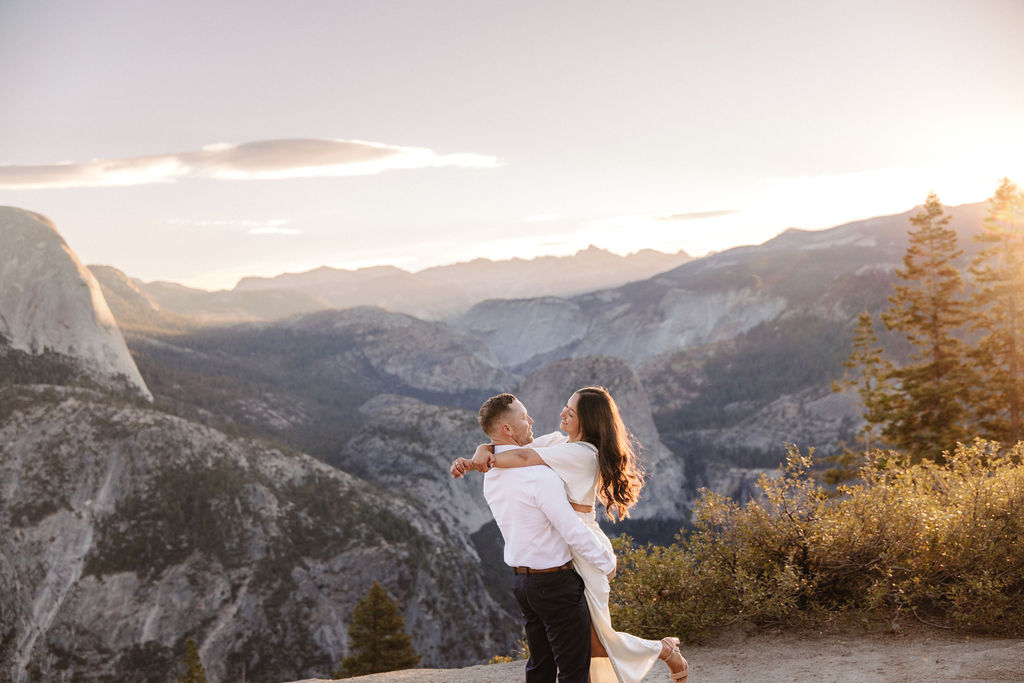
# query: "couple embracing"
[[542, 493]]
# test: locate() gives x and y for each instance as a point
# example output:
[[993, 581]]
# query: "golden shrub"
[[944, 542]]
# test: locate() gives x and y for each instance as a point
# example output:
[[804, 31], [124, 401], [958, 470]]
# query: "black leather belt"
[[526, 570]]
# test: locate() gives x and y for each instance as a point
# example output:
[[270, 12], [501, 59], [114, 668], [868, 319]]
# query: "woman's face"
[[570, 418]]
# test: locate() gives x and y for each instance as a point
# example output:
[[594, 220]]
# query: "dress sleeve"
[[546, 440], [576, 465]]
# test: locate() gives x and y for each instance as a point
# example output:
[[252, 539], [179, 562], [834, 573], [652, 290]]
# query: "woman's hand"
[[460, 466], [483, 458], [611, 576]]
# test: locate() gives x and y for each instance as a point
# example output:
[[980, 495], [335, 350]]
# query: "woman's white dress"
[[629, 658]]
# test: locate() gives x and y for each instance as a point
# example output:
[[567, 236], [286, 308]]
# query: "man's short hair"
[[492, 410]]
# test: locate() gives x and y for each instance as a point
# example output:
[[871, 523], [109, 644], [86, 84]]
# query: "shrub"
[[943, 542]]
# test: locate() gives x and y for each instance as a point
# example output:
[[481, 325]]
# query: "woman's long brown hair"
[[621, 474]]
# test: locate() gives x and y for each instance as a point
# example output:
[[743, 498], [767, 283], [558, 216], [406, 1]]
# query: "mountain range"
[[430, 294], [242, 484]]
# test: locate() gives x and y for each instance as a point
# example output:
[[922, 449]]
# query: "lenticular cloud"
[[262, 159]]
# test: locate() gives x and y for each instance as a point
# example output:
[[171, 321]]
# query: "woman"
[[597, 461]]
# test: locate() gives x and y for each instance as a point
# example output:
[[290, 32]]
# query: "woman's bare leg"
[[596, 648]]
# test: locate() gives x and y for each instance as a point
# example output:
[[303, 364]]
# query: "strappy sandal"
[[669, 650]]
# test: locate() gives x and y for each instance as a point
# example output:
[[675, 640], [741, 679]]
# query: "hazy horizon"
[[525, 258], [200, 143]]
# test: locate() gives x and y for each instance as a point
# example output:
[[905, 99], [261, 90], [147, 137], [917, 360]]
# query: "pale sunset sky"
[[201, 141]]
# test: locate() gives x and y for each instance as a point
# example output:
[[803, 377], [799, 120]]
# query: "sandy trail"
[[921, 655]]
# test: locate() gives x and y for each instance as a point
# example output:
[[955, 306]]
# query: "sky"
[[200, 142]]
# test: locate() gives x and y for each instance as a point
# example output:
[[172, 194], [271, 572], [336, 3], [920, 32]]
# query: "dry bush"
[[943, 542]]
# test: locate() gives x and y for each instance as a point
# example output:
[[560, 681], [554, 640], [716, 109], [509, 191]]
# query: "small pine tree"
[[868, 372], [379, 640], [997, 307], [928, 411], [194, 672]]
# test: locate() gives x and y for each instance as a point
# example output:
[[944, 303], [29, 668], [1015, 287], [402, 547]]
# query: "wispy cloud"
[[650, 220], [697, 215], [263, 159]]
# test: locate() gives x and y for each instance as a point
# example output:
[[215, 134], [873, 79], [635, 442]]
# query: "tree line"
[[965, 375]]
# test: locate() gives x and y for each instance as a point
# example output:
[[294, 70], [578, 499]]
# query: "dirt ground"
[[913, 654]]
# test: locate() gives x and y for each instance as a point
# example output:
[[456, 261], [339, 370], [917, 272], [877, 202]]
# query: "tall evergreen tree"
[[379, 641], [194, 672], [997, 308], [928, 409]]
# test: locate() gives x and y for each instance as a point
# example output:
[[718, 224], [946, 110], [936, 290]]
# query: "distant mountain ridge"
[[430, 294]]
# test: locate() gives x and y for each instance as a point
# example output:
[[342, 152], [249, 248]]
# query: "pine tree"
[[929, 408], [869, 374], [379, 641], [194, 672], [998, 312]]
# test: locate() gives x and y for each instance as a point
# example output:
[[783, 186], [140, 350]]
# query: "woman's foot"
[[678, 667]]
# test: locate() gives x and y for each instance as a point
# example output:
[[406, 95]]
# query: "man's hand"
[[483, 458]]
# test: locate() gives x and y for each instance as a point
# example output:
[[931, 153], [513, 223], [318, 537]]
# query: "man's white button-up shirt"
[[536, 520]]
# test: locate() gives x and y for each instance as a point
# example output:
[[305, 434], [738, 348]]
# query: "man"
[[539, 526]]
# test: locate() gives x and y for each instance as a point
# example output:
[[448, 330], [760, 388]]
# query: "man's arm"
[[555, 506], [513, 457]]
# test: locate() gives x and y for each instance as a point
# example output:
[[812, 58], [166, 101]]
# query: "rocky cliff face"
[[635, 322], [406, 446], [130, 530], [422, 355], [705, 301], [51, 303]]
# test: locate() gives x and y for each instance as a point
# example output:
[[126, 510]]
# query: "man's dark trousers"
[[557, 626]]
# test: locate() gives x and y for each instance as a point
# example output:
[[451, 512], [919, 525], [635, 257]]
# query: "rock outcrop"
[[406, 446], [51, 303], [635, 322], [425, 356]]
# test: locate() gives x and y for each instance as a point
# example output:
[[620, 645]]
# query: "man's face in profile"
[[520, 423]]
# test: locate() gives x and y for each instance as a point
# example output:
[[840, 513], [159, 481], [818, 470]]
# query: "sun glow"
[[813, 203]]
